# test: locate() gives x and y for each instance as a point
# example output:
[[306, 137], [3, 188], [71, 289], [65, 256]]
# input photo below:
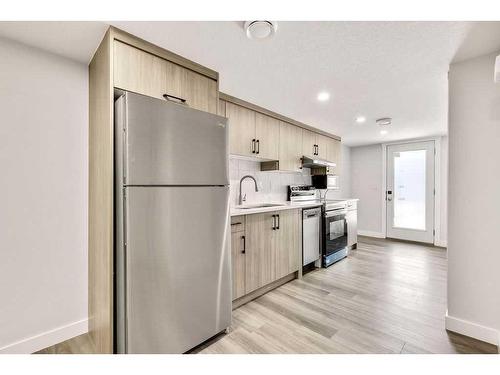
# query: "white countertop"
[[283, 206]]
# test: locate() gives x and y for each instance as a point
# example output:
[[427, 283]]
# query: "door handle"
[[253, 146], [244, 244], [278, 226], [389, 195], [258, 146], [274, 222]]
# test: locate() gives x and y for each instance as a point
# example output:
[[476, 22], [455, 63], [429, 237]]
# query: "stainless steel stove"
[[334, 224]]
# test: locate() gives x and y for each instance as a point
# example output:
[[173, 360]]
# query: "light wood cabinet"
[[252, 133], [334, 154], [241, 130], [322, 146], [260, 255], [271, 249], [238, 250], [308, 143], [138, 71], [290, 148], [287, 242], [314, 145], [147, 74], [267, 135]]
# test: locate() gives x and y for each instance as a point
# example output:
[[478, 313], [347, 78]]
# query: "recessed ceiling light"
[[323, 96], [260, 29], [383, 132], [360, 119]]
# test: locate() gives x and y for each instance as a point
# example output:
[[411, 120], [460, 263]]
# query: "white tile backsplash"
[[272, 184]]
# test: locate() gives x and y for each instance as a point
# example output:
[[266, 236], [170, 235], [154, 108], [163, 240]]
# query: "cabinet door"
[[139, 71], [221, 110], [241, 129], [267, 133], [352, 227], [260, 254], [322, 142], [200, 92], [238, 250], [334, 155], [308, 143], [287, 243], [290, 147]]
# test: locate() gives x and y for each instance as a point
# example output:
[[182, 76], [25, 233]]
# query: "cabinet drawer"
[[237, 224]]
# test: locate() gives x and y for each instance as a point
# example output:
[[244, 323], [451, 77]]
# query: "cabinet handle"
[[236, 224], [253, 146], [278, 226], [258, 146], [244, 244], [274, 222], [175, 99]]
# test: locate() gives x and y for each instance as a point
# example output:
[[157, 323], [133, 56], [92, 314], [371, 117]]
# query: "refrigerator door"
[[171, 144], [178, 275]]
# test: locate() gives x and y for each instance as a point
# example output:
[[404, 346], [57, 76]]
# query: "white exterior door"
[[410, 191]]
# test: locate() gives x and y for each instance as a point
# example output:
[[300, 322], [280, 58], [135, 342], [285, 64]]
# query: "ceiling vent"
[[385, 121], [260, 29]]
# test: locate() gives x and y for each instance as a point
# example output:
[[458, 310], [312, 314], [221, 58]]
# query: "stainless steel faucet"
[[241, 198]]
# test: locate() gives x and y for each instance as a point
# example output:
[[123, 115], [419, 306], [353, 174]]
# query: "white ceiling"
[[375, 69]]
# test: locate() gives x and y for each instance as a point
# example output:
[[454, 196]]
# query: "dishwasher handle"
[[306, 214]]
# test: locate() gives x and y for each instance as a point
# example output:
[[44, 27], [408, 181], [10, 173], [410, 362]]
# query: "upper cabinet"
[[267, 135], [290, 152], [142, 72], [315, 145], [334, 154], [308, 143], [241, 130], [252, 133]]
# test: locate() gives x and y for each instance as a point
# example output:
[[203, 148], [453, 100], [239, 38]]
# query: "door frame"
[[438, 197]]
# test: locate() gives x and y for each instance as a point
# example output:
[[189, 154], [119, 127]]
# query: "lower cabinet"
[[265, 251], [352, 227]]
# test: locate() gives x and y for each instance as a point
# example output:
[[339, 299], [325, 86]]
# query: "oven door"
[[335, 231]]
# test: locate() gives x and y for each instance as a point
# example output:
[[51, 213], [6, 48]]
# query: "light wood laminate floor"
[[386, 297]]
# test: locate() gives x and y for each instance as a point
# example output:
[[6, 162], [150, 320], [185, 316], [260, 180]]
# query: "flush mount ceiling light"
[[323, 96], [383, 132], [384, 121], [260, 29], [360, 119]]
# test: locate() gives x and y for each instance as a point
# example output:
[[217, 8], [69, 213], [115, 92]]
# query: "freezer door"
[[171, 144], [178, 278]]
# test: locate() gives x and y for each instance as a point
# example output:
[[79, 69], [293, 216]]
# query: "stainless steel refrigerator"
[[172, 257]]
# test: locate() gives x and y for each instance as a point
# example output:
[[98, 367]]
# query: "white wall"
[[366, 185], [43, 216], [474, 200]]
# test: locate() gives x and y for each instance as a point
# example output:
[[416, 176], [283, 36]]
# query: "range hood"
[[307, 162]]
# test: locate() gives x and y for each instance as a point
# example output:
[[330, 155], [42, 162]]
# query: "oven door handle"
[[335, 213]]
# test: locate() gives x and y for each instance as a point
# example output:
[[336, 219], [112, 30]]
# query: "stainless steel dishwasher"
[[311, 226]]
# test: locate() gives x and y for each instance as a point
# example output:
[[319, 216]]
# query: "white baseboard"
[[46, 339], [369, 233], [471, 329], [441, 243]]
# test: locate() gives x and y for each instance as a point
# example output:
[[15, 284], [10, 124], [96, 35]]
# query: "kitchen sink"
[[259, 205]]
